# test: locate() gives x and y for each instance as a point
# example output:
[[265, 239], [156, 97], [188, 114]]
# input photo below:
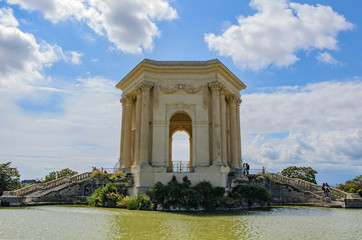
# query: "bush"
[[252, 193], [190, 198], [5, 204], [132, 202], [97, 173], [117, 176], [182, 195], [104, 197], [140, 202]]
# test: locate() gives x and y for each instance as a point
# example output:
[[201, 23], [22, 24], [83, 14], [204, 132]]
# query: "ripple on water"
[[69, 222]]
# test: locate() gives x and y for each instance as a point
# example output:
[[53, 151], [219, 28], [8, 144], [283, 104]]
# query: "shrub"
[[157, 194], [132, 202], [190, 198], [252, 193], [104, 197], [117, 176], [97, 173], [182, 195]]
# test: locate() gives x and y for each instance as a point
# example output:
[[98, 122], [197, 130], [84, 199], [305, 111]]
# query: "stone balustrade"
[[43, 186], [55, 183], [26, 190], [308, 185], [80, 177]]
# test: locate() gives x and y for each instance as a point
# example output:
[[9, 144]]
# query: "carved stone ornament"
[[127, 99], [235, 99], [216, 86], [178, 87], [180, 107], [145, 86]]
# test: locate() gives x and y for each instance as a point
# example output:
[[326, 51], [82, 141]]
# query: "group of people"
[[326, 188], [96, 169], [246, 168]]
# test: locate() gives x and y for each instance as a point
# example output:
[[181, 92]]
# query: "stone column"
[[223, 128], [233, 132], [127, 140], [216, 133], [122, 131], [238, 102], [145, 122], [138, 126]]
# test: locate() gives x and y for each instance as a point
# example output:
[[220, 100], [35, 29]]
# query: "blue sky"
[[301, 62]]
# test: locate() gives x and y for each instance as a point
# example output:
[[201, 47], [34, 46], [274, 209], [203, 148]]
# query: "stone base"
[[145, 176]]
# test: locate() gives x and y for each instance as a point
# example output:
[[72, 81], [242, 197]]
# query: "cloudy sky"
[[301, 62]]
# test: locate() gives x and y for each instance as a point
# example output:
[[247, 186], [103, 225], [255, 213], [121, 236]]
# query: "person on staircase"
[[326, 190]]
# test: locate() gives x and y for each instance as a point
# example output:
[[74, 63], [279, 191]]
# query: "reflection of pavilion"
[[160, 98]]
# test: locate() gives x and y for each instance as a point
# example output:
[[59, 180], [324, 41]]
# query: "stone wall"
[[284, 194], [71, 192]]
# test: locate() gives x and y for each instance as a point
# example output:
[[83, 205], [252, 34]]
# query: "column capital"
[[127, 99], [216, 86], [144, 86], [234, 99]]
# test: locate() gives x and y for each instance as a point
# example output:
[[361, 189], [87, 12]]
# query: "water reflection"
[[59, 222]]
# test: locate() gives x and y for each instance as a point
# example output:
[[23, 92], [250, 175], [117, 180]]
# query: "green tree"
[[351, 186], [304, 173], [9, 178], [66, 172]]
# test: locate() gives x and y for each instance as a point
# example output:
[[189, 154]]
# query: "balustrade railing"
[[308, 185], [180, 167], [26, 190], [48, 185], [81, 177]]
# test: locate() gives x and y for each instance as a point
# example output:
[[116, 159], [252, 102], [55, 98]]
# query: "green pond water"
[[74, 222]]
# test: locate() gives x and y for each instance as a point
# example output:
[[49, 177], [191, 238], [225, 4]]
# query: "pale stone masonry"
[[160, 98]]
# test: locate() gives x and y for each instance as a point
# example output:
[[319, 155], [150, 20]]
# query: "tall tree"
[[9, 178], [304, 173], [66, 172], [351, 186]]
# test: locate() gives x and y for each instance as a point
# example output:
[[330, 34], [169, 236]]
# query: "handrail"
[[80, 177], [50, 184], [26, 190], [308, 185]]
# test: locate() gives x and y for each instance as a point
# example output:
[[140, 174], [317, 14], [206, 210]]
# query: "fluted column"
[[223, 128], [233, 133], [122, 132], [216, 133], [238, 102], [138, 126], [126, 156], [145, 122]]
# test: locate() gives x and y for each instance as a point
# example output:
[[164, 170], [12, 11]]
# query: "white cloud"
[[325, 57], [75, 57], [277, 32], [128, 24], [76, 125], [322, 122], [22, 58]]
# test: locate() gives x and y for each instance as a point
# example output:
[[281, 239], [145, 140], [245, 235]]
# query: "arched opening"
[[180, 143], [180, 152]]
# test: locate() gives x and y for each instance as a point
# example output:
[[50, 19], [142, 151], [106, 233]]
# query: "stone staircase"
[[27, 195], [337, 198]]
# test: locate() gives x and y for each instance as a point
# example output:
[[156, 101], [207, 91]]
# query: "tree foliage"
[[66, 172], [304, 173], [9, 178], [351, 186]]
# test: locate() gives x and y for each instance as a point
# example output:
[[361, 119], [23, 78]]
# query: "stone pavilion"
[[160, 98]]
